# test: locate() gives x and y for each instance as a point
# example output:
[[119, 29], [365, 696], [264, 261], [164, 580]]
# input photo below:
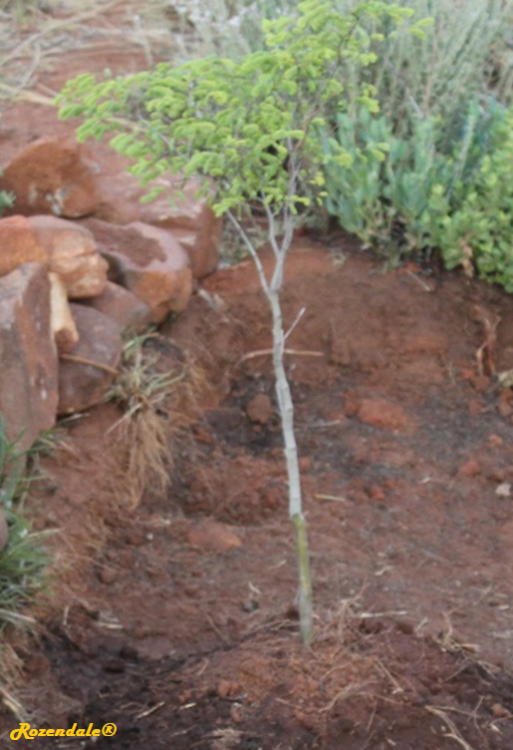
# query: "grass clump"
[[142, 390], [23, 560]]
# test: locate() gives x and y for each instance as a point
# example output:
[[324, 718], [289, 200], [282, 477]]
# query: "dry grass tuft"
[[158, 389]]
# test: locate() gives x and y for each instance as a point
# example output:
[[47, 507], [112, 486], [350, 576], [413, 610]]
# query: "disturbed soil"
[[176, 618]]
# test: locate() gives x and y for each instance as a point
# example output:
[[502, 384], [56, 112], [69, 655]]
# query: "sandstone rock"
[[192, 222], [385, 415], [4, 532], [18, 244], [190, 219], [72, 254], [149, 262], [28, 375], [52, 176], [213, 537], [82, 385], [260, 408], [118, 303], [63, 326]]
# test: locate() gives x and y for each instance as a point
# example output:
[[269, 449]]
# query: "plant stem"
[[286, 409]]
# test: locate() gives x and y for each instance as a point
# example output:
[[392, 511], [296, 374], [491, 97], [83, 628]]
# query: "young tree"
[[250, 130]]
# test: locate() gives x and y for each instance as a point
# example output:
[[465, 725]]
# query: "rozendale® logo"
[[24, 730]]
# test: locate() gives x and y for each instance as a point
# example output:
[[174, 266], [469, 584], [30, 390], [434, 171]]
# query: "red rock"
[[376, 493], [52, 177], [305, 463], [385, 415], [65, 248], [260, 408], [470, 468], [107, 574], [212, 536], [18, 244], [28, 375], [481, 383], [495, 440], [149, 262], [190, 220], [72, 254], [227, 688], [121, 305], [83, 385], [505, 409]]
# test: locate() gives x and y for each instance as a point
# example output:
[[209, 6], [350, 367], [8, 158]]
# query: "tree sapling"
[[249, 129]]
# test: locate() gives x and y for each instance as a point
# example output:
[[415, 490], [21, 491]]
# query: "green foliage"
[[463, 52], [397, 187], [6, 200], [385, 195], [251, 128], [473, 226], [22, 562], [20, 9]]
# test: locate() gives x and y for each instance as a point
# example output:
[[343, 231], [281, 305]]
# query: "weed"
[[23, 560]]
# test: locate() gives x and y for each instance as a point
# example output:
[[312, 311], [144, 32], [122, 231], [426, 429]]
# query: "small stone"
[[470, 468], [227, 688], [505, 409], [500, 712], [385, 415], [305, 463], [481, 383], [212, 536], [260, 409], [376, 493], [503, 490], [236, 713], [107, 574]]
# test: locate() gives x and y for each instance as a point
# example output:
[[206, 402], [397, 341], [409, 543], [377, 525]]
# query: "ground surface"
[[176, 619]]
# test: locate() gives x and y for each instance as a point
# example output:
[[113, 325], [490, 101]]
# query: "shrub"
[[473, 226], [397, 188]]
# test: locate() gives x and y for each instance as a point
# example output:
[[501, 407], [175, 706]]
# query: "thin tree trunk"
[[286, 408]]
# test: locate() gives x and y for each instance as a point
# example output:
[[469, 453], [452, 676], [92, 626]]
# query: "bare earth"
[[177, 621]]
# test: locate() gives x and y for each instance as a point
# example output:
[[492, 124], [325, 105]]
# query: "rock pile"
[[82, 262]]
